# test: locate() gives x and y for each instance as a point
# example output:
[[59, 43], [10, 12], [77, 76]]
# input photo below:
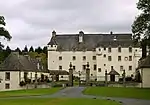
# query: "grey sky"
[[31, 22]]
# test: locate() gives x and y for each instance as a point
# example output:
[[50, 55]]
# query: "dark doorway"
[[57, 78], [112, 78]]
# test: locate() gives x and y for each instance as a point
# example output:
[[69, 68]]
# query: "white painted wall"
[[146, 77], [54, 62], [14, 81], [101, 60]]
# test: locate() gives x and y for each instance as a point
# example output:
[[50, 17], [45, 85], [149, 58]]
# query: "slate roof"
[[69, 42], [145, 63], [18, 62], [113, 72]]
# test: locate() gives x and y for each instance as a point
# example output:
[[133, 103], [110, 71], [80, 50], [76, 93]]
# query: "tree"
[[18, 50], [39, 50], [7, 51], [3, 31], [31, 49], [25, 49], [45, 50], [141, 25], [1, 46]]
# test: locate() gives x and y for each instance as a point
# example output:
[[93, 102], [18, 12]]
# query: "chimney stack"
[[111, 32], [54, 33]]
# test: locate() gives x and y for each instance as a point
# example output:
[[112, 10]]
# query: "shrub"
[[22, 83]]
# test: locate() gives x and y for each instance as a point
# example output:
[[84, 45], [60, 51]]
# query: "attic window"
[[115, 38]]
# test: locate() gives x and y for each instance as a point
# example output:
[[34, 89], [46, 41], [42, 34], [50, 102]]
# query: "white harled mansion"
[[111, 52]]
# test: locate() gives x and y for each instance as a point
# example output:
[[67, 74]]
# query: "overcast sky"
[[30, 22]]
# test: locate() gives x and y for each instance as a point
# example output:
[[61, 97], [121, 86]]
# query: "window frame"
[[7, 85], [109, 58], [119, 58], [7, 76], [73, 58], [94, 57], [94, 67], [60, 67], [130, 58], [60, 58]]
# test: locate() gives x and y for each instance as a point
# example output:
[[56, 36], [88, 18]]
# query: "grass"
[[138, 93], [57, 101], [28, 92]]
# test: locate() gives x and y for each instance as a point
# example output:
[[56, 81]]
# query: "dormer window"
[[81, 36], [115, 38]]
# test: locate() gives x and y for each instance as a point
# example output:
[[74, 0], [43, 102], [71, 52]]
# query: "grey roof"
[[70, 42], [144, 63], [113, 72], [18, 62]]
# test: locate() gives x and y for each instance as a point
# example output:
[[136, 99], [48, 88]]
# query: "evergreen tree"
[[25, 49], [18, 50], [39, 50], [31, 49], [8, 50], [45, 50]]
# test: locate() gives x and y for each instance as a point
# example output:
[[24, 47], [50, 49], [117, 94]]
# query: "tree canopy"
[[3, 31], [141, 25]]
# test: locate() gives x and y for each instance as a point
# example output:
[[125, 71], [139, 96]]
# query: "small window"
[[60, 57], [99, 69], [119, 49], [7, 86], [99, 49], [104, 55], [130, 49], [73, 58], [60, 67], [130, 58], [104, 64], [84, 67], [84, 57], [121, 68], [112, 68], [7, 76], [62, 77], [119, 58], [91, 74], [130, 67], [104, 48], [109, 58], [51, 45], [95, 67], [109, 49], [94, 57], [74, 67]]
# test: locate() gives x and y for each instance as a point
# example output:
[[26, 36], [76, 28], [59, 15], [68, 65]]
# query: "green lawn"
[[29, 92], [57, 101], [139, 93]]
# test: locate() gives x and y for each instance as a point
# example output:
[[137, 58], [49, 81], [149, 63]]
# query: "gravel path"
[[76, 92]]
